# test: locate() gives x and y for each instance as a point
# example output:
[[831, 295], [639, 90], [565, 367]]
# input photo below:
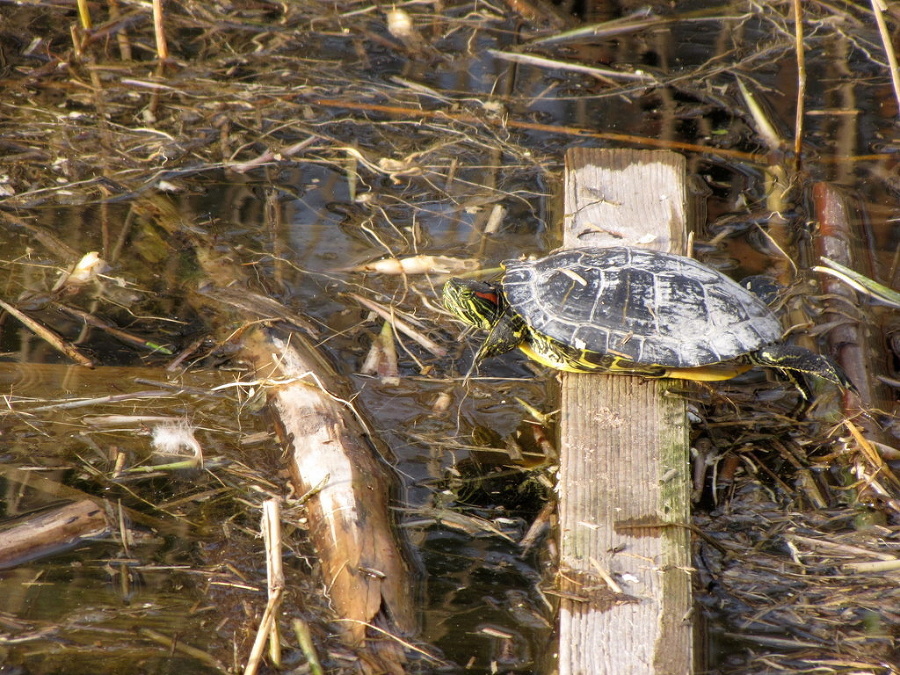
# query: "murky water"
[[189, 567]]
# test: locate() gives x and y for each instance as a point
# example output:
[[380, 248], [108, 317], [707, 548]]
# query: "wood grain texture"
[[335, 463], [624, 474]]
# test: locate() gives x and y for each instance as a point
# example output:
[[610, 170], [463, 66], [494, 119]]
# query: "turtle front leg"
[[507, 333], [796, 362]]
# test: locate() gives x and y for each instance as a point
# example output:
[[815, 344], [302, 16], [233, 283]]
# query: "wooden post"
[[624, 503]]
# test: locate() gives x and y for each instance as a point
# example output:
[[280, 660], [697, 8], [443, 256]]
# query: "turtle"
[[632, 310]]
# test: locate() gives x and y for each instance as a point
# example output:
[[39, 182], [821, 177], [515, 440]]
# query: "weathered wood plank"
[[624, 450]]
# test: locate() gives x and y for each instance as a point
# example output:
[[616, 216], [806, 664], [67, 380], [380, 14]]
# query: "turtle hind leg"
[[798, 362]]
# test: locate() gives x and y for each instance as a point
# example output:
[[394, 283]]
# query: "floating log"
[[337, 467], [331, 450], [347, 486]]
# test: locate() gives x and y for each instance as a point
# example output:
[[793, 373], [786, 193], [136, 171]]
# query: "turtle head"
[[475, 302], [482, 305]]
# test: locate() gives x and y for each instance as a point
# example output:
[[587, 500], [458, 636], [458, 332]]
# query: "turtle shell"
[[648, 307]]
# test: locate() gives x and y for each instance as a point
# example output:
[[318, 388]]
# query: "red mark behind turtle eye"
[[489, 296]]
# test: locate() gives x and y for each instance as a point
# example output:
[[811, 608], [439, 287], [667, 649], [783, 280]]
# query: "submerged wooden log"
[[624, 480], [51, 532]]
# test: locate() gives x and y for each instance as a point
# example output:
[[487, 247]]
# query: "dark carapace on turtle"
[[632, 310]]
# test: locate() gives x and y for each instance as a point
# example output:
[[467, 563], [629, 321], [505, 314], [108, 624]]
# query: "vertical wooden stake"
[[624, 478]]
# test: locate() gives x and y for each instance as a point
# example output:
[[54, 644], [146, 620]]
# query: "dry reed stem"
[[801, 83], [304, 638], [159, 31], [606, 75], [84, 15], [268, 626], [401, 325], [878, 8], [49, 336], [178, 645]]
